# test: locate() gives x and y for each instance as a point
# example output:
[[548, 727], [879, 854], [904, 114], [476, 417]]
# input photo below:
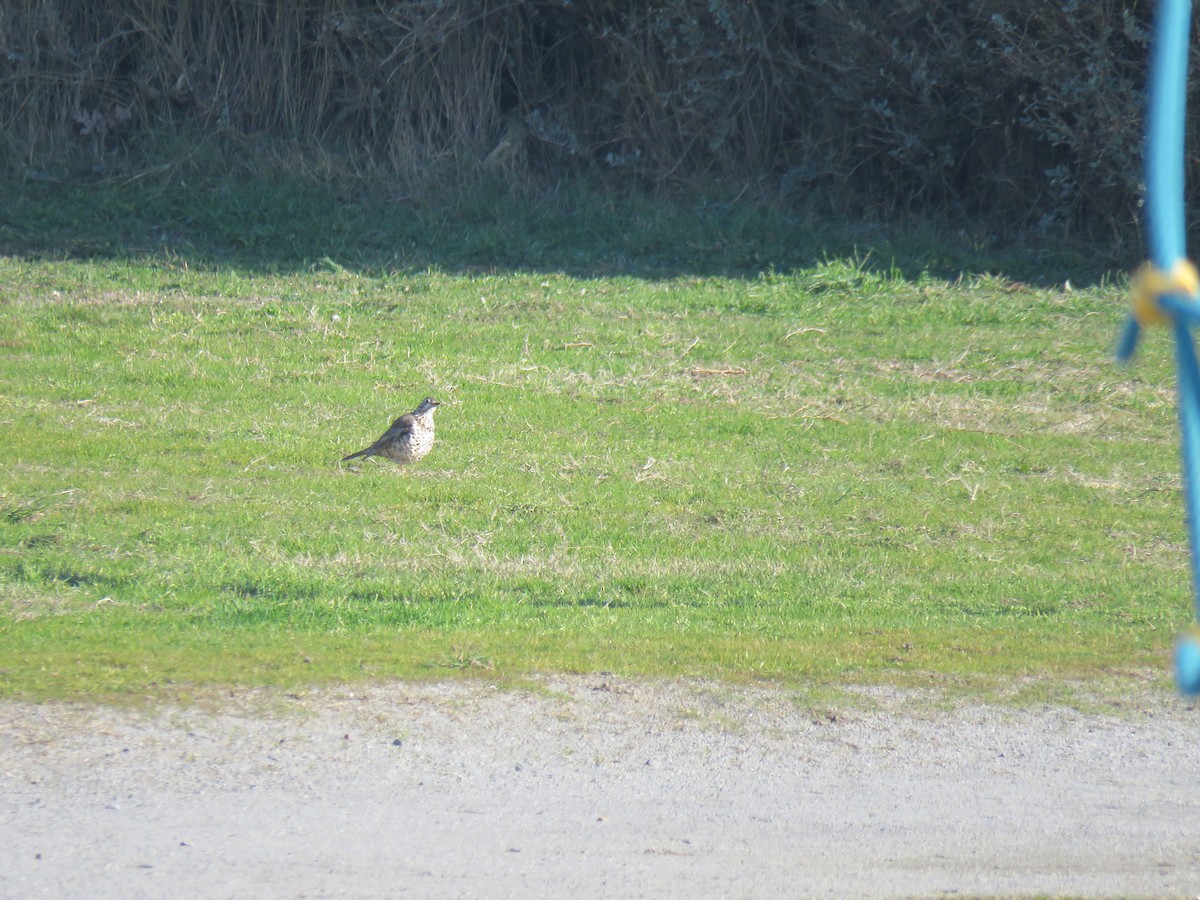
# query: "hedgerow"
[[1020, 110]]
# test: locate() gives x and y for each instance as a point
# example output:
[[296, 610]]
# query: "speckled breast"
[[418, 443]]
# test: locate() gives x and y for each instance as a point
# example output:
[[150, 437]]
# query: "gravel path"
[[599, 787]]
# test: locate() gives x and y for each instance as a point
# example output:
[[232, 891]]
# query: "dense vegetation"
[[1022, 111]]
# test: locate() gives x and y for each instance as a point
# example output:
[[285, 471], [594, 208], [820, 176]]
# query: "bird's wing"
[[401, 426]]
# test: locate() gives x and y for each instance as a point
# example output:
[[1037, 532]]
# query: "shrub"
[[1019, 110]]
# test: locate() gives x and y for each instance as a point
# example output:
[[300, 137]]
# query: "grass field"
[[682, 461]]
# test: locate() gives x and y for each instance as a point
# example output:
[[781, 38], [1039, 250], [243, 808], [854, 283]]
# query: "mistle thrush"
[[409, 438]]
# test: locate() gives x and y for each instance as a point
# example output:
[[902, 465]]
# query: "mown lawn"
[[839, 471]]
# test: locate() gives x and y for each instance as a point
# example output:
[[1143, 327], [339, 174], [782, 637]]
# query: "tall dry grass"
[[1014, 108]]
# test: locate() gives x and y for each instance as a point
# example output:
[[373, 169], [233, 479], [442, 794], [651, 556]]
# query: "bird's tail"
[[366, 452]]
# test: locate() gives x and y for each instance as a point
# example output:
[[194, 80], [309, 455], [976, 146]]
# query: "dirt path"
[[599, 787]]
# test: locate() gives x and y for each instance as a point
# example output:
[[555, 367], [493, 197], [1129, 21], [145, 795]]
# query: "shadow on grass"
[[282, 225]]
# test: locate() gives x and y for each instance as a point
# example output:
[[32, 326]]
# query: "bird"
[[409, 438]]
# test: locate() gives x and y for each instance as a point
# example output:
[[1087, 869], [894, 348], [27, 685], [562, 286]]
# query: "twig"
[[696, 372]]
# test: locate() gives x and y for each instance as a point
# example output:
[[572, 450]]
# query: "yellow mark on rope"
[[1149, 284]]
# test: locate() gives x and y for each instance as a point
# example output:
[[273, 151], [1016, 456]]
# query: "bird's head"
[[428, 405]]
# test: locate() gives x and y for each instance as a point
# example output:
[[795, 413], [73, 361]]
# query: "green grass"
[[848, 469]]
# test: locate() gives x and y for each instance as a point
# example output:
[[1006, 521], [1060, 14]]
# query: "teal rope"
[[1165, 112], [1164, 134]]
